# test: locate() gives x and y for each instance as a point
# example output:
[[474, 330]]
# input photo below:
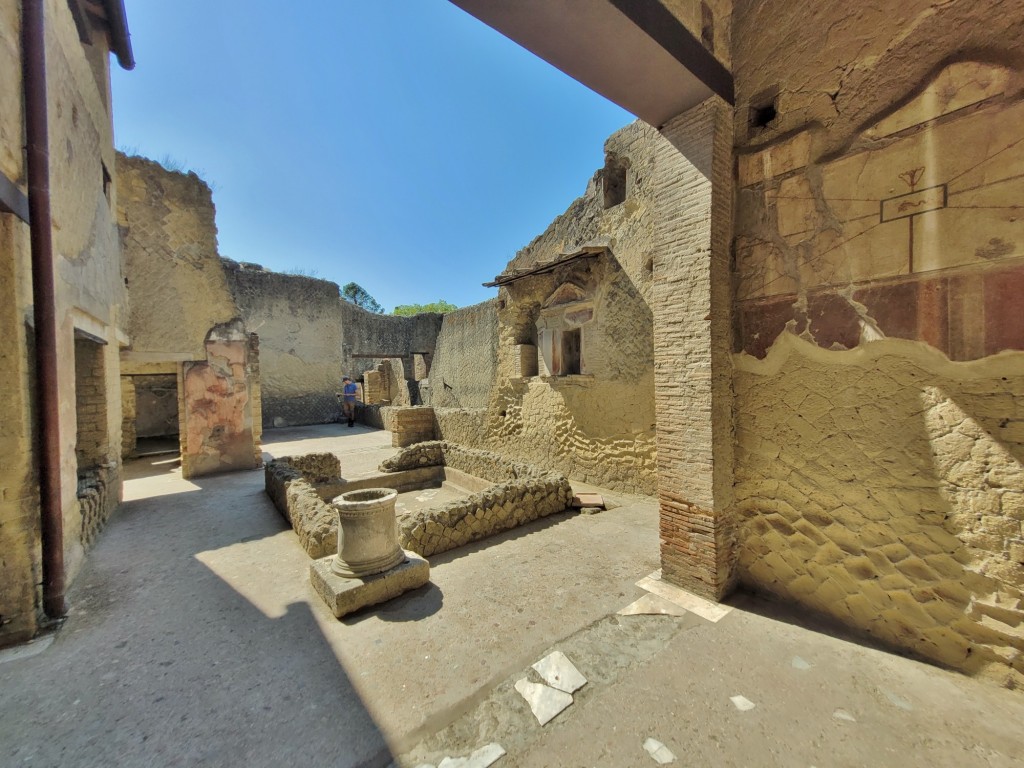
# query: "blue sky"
[[402, 145]]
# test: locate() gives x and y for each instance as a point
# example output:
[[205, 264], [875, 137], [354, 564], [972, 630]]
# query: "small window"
[[570, 352], [614, 181], [106, 182], [764, 110]]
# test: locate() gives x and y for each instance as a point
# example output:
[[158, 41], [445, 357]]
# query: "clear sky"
[[400, 144]]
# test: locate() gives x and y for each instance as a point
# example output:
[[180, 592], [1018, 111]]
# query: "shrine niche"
[[561, 331]]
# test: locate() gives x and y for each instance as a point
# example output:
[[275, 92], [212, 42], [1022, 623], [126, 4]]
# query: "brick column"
[[691, 303]]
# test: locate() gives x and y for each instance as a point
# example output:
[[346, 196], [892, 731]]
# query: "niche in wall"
[[561, 337]]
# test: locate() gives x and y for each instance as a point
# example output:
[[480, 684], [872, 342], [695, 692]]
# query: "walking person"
[[348, 399]]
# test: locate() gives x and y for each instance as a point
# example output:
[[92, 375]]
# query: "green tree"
[[356, 294], [407, 310]]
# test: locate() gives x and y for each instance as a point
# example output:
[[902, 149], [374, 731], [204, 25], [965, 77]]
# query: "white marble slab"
[[545, 701], [661, 754], [652, 605], [481, 758], [706, 609], [560, 673]]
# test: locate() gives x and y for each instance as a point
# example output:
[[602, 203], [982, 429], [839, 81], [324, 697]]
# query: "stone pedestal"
[[370, 566], [344, 595]]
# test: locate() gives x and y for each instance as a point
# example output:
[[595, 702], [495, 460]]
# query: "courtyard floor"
[[194, 638]]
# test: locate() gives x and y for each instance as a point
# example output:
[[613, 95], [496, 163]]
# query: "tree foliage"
[[356, 294], [407, 310]]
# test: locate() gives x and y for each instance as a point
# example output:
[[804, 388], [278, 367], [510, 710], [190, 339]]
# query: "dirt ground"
[[195, 638]]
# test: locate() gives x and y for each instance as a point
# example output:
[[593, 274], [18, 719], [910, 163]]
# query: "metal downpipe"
[[33, 31]]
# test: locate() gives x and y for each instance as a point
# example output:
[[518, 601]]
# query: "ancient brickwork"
[[412, 425], [90, 297], [691, 342], [92, 423], [299, 324], [128, 435]]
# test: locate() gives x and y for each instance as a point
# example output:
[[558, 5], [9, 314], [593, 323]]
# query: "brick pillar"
[[691, 303]]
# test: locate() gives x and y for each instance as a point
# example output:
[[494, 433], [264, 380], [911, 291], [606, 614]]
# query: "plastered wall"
[[89, 299], [299, 325], [878, 331]]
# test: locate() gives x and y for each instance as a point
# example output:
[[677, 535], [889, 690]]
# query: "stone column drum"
[[367, 533]]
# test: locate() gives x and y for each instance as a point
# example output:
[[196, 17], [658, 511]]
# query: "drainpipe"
[[33, 32]]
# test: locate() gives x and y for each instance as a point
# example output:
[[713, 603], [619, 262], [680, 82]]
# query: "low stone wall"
[[288, 482], [516, 493], [97, 500], [464, 426], [520, 493]]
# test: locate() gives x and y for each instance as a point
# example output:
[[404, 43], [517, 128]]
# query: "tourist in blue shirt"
[[348, 399]]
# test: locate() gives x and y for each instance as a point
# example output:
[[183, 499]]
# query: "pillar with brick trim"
[[691, 303]]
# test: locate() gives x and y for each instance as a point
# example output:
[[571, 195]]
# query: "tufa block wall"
[[882, 486], [598, 424]]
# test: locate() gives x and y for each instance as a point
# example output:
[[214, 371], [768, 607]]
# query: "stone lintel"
[[347, 595]]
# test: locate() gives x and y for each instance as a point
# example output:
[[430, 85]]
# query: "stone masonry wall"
[[520, 493], [464, 366], [89, 287], [368, 333], [298, 320], [178, 286], [882, 486], [877, 221], [597, 425]]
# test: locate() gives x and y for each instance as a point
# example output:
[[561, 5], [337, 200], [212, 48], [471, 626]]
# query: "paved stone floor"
[[194, 638]]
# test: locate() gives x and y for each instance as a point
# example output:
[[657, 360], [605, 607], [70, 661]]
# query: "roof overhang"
[[635, 53], [108, 15], [589, 251]]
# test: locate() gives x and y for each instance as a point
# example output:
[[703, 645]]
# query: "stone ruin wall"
[[598, 427], [464, 368], [298, 320], [879, 395], [369, 338]]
